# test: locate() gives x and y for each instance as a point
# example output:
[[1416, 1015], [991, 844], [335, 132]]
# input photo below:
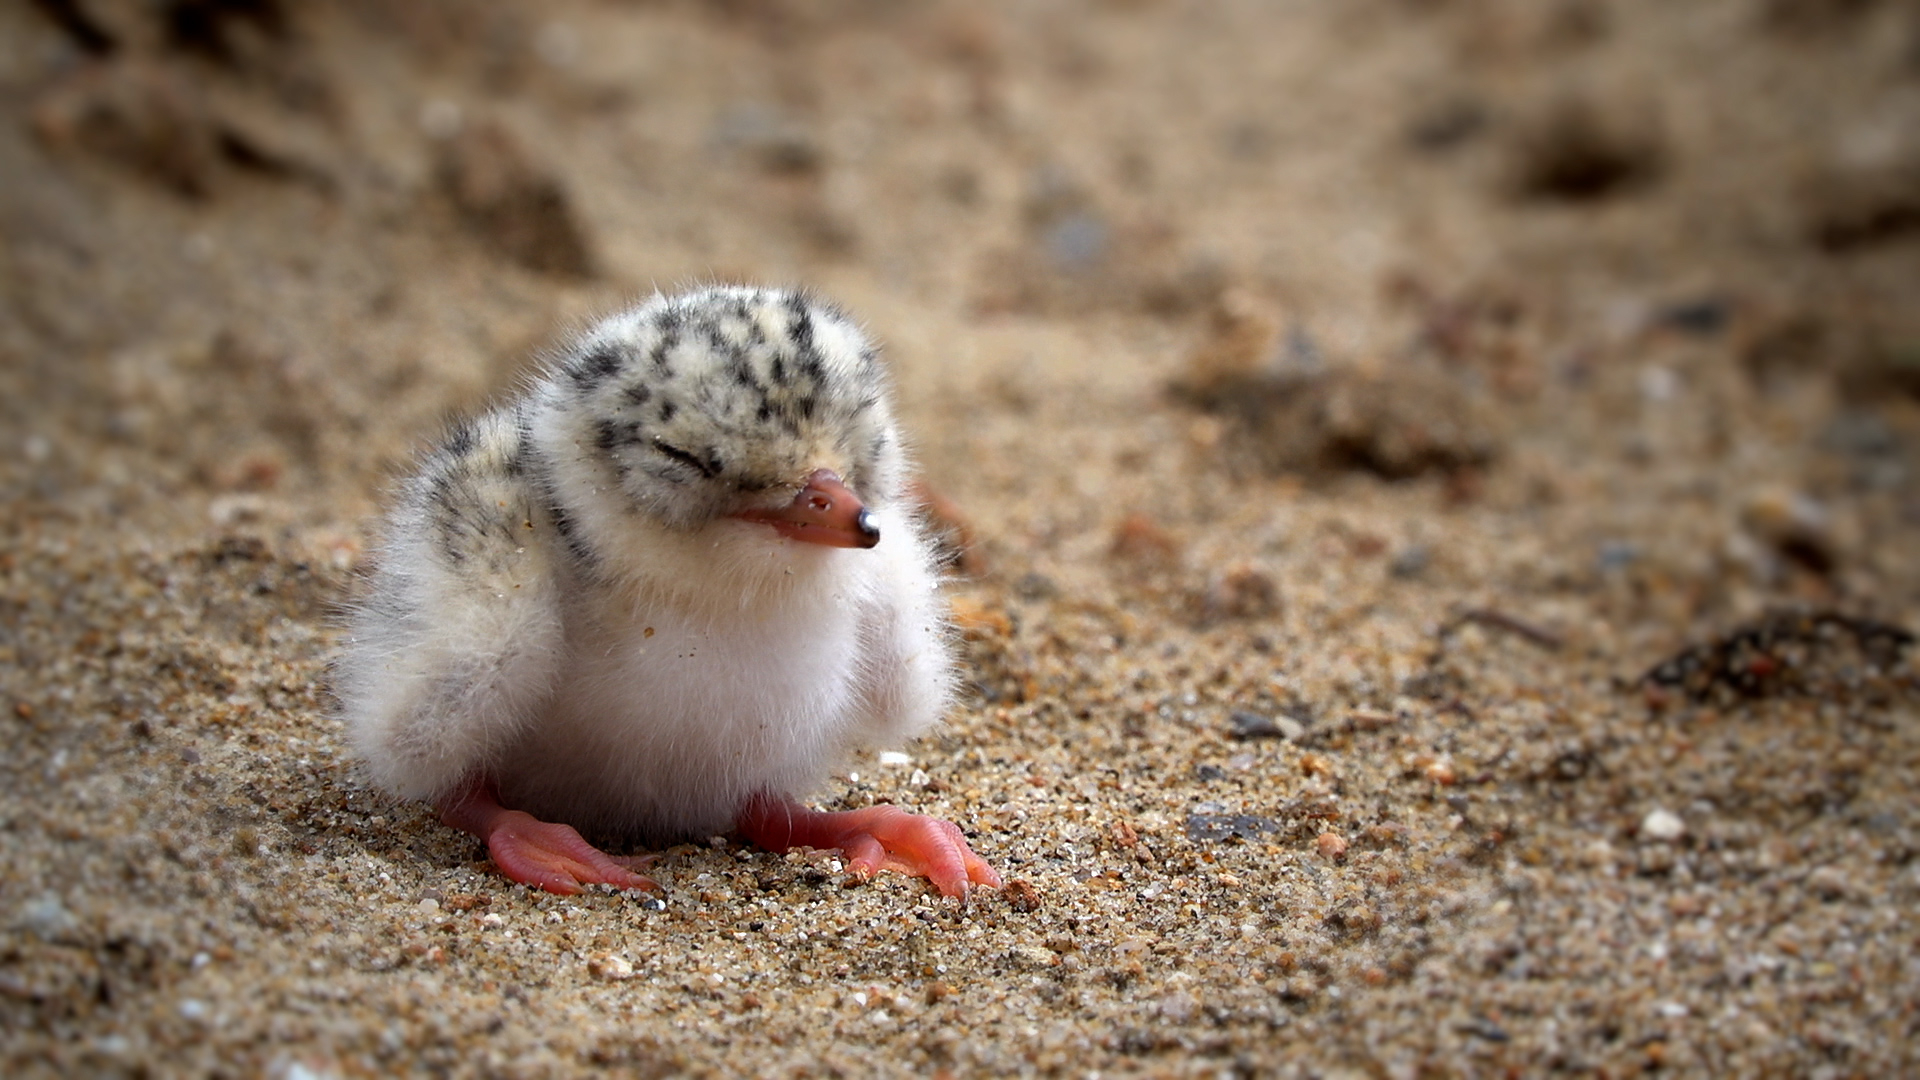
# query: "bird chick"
[[658, 596]]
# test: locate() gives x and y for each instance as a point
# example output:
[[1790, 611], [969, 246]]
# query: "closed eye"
[[704, 468]]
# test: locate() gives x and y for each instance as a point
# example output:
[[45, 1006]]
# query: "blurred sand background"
[[1350, 401]]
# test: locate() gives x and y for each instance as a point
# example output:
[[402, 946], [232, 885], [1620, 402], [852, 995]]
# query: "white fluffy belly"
[[661, 728]]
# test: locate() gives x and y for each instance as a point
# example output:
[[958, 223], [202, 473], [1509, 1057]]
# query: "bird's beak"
[[825, 512]]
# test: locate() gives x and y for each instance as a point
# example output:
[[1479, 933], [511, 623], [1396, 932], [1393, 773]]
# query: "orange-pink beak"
[[826, 512]]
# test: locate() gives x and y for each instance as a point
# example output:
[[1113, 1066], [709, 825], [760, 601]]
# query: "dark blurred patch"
[[1352, 918], [829, 233], [255, 43], [1482, 328], [1288, 410], [1850, 209], [1824, 653], [1577, 151], [1860, 433], [255, 149], [1447, 123], [511, 203], [1576, 24], [1239, 591], [72, 17], [1244, 724], [1883, 364], [1079, 257], [1799, 18], [152, 106], [229, 32], [774, 142], [1789, 345], [237, 549], [1867, 358], [148, 120], [1141, 540], [1894, 364], [1502, 622], [790, 161], [1705, 317], [784, 20], [1794, 526], [1411, 561], [138, 116], [491, 42], [1206, 827]]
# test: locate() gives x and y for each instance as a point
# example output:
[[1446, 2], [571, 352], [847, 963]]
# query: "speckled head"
[[728, 399]]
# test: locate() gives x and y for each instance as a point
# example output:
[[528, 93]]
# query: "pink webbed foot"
[[543, 854], [555, 858], [874, 839]]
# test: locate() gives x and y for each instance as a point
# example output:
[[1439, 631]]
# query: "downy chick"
[[659, 596]]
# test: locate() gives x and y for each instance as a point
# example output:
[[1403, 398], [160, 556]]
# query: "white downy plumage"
[[566, 603]]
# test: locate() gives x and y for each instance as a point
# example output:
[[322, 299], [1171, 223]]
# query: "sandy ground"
[[1353, 402]]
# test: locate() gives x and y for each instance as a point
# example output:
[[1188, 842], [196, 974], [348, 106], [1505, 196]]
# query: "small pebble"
[[1486, 1029], [611, 967], [1658, 383], [1178, 1007], [1656, 858], [1246, 724], [1077, 240], [1022, 896], [1032, 957], [1702, 317], [1831, 883], [1210, 822], [1662, 825], [1794, 524], [48, 918], [1410, 561], [1616, 555], [1686, 904]]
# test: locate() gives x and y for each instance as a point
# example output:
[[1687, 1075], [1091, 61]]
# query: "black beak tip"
[[869, 532]]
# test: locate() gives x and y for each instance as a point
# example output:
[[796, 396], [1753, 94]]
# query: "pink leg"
[[874, 839], [534, 852]]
